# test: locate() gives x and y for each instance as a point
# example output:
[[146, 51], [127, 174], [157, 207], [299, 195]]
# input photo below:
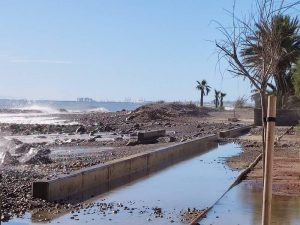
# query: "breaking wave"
[[42, 109]]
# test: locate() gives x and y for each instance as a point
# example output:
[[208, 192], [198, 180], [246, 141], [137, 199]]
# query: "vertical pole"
[[267, 191], [0, 198]]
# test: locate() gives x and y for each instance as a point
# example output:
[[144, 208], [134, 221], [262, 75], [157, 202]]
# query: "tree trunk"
[[201, 99]]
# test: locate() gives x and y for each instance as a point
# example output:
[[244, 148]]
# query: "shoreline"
[[181, 122]]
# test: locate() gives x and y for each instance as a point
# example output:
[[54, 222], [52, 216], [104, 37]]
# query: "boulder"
[[80, 130], [7, 159], [23, 148], [36, 156]]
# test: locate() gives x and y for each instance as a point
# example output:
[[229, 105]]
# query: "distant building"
[[85, 100]]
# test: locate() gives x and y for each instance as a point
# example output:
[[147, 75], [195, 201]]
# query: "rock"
[[63, 110], [92, 133], [93, 139], [23, 148], [16, 141], [183, 140], [285, 145], [107, 128], [80, 130], [172, 139], [166, 139], [69, 140], [7, 159], [41, 136], [233, 119], [129, 118], [118, 139], [36, 156], [132, 143]]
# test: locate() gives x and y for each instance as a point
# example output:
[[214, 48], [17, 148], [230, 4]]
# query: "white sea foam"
[[102, 109], [43, 109]]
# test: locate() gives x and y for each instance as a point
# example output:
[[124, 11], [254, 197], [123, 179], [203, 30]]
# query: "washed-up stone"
[[36, 156]]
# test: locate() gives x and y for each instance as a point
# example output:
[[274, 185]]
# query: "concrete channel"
[[89, 182]]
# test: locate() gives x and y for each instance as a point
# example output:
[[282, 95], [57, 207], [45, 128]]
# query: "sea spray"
[[42, 109]]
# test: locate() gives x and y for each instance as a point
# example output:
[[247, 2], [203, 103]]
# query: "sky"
[[113, 49]]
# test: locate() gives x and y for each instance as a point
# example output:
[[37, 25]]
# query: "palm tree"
[[204, 89], [222, 95], [282, 34], [296, 79], [217, 98]]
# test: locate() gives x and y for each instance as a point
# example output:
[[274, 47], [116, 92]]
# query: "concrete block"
[[118, 169], [40, 189], [139, 164], [234, 132], [101, 178], [95, 177], [65, 187], [145, 136]]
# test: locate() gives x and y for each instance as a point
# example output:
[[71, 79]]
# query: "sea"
[[48, 112], [70, 106]]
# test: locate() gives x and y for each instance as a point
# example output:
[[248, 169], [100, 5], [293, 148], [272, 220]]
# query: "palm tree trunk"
[[201, 99]]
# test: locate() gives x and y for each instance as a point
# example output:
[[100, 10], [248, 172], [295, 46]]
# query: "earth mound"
[[156, 111]]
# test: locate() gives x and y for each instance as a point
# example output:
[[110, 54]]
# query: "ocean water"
[[48, 112], [71, 106]]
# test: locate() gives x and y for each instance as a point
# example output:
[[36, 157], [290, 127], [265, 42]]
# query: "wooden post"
[[0, 198], [268, 179]]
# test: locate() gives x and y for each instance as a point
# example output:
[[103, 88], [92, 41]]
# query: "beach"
[[93, 138]]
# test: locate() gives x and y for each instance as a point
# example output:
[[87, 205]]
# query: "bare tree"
[[255, 32]]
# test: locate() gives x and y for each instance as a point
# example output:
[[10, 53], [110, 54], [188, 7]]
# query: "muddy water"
[[242, 205], [194, 183]]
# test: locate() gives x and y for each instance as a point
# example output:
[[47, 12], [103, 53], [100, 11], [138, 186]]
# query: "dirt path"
[[286, 172]]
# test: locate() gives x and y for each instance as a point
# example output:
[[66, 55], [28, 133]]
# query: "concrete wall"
[[235, 132], [285, 117], [88, 182], [95, 180]]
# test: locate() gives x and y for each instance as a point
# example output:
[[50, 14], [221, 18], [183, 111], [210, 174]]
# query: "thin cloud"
[[40, 61]]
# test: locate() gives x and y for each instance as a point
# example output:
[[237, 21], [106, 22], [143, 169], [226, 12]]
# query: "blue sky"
[[113, 49]]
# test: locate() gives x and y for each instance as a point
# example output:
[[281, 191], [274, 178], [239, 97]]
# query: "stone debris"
[[36, 156], [7, 159]]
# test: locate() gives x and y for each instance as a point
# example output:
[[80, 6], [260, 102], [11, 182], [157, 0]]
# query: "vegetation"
[[204, 89], [217, 98], [282, 34], [296, 79], [222, 96], [240, 102], [258, 49]]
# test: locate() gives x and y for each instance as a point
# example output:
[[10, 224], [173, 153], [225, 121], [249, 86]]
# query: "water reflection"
[[243, 205], [194, 183]]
